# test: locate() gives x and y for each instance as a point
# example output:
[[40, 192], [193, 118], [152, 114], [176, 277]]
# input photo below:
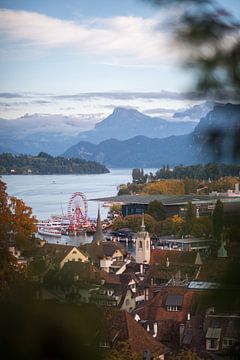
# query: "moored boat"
[[49, 232]]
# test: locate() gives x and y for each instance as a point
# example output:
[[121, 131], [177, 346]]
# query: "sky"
[[88, 56]]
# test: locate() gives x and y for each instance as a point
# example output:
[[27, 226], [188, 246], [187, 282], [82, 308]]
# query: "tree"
[[157, 210], [178, 225], [185, 355], [134, 222], [190, 218], [16, 221], [138, 176], [202, 227], [218, 221], [122, 352]]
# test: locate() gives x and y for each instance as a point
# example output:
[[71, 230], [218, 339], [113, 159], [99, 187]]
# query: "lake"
[[49, 194]]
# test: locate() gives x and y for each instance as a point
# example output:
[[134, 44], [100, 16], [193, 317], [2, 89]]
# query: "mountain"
[[196, 112], [53, 134], [210, 141], [139, 151], [125, 123]]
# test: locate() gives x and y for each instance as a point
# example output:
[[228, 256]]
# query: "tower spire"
[[143, 224], [98, 236]]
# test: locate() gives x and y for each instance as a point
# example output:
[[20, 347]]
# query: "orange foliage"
[[165, 187]]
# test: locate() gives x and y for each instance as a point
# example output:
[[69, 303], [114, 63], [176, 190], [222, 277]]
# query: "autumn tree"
[[17, 224]]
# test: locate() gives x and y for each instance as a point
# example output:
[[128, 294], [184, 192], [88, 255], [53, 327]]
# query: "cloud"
[[128, 95], [10, 95], [121, 40]]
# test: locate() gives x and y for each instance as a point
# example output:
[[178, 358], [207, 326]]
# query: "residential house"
[[59, 255], [104, 254], [123, 328]]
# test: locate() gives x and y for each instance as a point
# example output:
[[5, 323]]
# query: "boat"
[[57, 222], [49, 232]]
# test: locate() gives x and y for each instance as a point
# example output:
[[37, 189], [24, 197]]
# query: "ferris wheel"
[[77, 210]]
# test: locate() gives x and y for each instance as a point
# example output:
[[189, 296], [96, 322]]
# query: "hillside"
[[44, 164], [215, 138]]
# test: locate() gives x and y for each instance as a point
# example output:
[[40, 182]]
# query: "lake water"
[[49, 194]]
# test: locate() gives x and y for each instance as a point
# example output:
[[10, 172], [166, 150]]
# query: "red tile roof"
[[155, 309], [125, 328], [175, 257]]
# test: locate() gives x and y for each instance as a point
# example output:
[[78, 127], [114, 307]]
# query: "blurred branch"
[[210, 36]]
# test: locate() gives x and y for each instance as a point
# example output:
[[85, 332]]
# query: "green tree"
[[157, 210], [134, 222], [202, 227], [190, 218], [218, 221]]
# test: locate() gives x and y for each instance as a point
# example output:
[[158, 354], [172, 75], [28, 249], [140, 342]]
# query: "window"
[[213, 344], [228, 342], [74, 252], [127, 301], [140, 245], [147, 245]]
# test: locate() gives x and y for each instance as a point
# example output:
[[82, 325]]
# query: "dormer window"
[[174, 302]]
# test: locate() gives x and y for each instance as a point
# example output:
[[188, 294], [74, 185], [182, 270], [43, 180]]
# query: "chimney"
[[167, 263], [155, 330]]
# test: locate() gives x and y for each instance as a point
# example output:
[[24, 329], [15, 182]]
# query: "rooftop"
[[166, 199]]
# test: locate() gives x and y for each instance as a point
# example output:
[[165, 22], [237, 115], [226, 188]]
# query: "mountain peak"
[[120, 110]]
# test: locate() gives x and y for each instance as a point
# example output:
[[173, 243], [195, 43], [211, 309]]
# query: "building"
[[123, 328], [143, 245], [104, 254], [176, 204], [59, 255]]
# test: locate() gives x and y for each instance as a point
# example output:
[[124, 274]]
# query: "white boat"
[[57, 222], [49, 232]]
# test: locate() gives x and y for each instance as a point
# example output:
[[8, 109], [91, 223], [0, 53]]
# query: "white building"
[[143, 245]]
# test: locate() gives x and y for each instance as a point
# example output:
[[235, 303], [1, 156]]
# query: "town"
[[178, 296]]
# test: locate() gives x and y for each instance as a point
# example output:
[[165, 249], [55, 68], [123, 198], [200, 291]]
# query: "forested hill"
[[44, 164]]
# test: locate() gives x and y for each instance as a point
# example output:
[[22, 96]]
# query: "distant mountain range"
[[215, 138], [53, 134], [126, 123], [31, 134]]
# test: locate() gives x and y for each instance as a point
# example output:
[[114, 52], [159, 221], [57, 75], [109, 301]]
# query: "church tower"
[[143, 245], [98, 236]]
